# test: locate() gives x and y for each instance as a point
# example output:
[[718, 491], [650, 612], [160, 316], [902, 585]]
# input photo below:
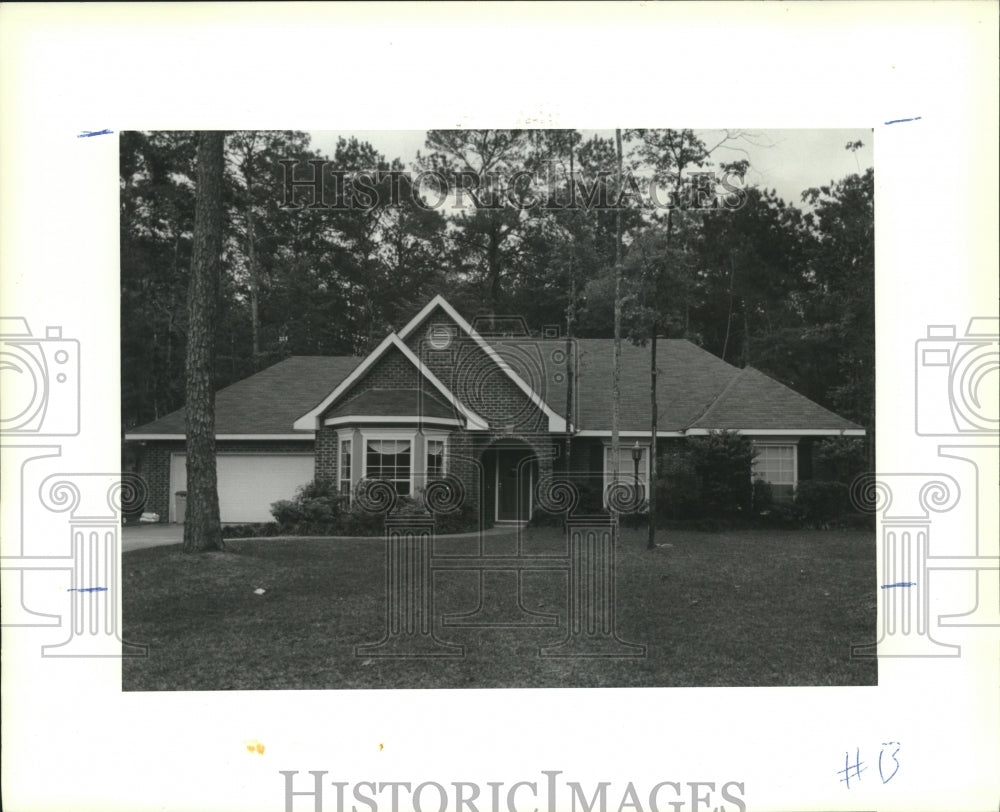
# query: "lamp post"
[[636, 456]]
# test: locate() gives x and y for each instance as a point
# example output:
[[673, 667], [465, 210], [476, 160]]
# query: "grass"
[[739, 608]]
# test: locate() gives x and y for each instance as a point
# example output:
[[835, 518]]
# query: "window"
[[626, 467], [435, 458], [776, 465], [344, 465], [389, 460]]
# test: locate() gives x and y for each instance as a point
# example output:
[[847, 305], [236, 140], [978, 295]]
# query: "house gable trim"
[[310, 420], [411, 420], [557, 423], [310, 436], [748, 432]]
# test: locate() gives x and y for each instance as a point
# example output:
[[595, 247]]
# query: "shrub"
[[678, 487], [763, 497], [821, 501], [463, 520], [839, 459], [247, 531], [722, 462], [317, 502]]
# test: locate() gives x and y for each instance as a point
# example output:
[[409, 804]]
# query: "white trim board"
[[309, 421], [748, 432], [310, 436], [557, 423], [412, 420]]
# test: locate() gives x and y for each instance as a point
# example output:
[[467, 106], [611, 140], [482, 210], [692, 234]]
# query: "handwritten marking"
[[92, 133], [857, 767], [88, 589], [892, 755], [904, 120], [900, 583]]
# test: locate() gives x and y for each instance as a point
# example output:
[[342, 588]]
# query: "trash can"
[[180, 506]]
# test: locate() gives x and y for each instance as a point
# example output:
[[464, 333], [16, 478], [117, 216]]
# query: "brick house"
[[486, 404]]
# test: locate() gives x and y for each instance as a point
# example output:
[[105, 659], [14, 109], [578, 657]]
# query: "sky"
[[788, 161]]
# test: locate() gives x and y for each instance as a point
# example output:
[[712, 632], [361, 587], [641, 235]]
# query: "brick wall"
[[476, 379], [392, 371], [327, 449]]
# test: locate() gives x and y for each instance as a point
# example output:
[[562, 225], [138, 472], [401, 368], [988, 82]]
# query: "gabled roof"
[[310, 420], [696, 392], [556, 420], [266, 403], [754, 401]]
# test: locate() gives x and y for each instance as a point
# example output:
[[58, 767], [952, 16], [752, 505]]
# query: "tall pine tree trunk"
[[616, 385], [202, 528], [570, 321], [654, 407]]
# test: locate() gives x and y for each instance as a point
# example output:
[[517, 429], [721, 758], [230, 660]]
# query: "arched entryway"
[[510, 468]]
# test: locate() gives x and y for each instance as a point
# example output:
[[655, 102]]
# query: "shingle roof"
[[270, 401], [755, 401], [393, 403], [695, 389]]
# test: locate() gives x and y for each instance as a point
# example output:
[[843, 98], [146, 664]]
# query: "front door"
[[513, 485]]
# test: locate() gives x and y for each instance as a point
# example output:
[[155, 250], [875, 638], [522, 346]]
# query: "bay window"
[[435, 458], [390, 461], [344, 466]]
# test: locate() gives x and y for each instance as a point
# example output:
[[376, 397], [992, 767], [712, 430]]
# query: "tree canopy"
[[785, 287]]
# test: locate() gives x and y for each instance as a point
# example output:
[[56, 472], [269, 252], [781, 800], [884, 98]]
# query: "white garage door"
[[248, 483]]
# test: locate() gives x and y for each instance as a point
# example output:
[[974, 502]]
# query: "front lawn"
[[738, 608]]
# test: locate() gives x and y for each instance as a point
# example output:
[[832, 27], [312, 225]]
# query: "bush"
[[249, 531], [821, 501], [678, 487], [722, 462], [839, 459], [463, 520], [763, 497], [317, 502]]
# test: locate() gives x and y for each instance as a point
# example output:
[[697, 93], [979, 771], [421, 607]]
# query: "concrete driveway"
[[139, 536]]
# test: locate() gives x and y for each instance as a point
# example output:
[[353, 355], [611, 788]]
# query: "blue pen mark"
[[852, 770], [88, 589], [901, 583], [895, 761], [903, 120], [92, 133]]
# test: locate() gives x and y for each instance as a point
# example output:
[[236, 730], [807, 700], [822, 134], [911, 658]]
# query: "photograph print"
[[498, 408]]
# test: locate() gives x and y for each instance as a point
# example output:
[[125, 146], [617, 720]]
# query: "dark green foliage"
[[839, 459], [722, 462], [318, 509], [821, 501], [763, 496], [317, 503], [678, 486]]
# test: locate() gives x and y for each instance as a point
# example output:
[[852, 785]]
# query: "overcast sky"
[[788, 161]]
